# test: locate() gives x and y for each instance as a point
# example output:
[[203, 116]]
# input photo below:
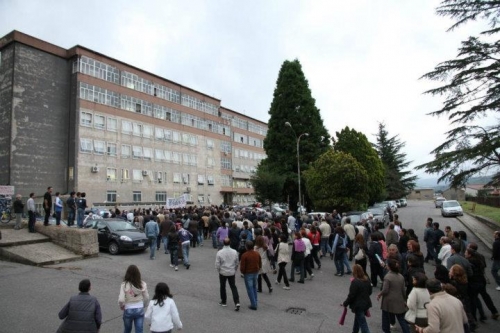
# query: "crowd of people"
[[257, 244]]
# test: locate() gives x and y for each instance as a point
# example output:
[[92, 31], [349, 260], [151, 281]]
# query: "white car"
[[451, 208]]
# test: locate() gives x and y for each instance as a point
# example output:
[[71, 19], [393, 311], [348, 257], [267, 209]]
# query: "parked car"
[[355, 216], [315, 214], [118, 235], [380, 216], [403, 202], [439, 202], [451, 208]]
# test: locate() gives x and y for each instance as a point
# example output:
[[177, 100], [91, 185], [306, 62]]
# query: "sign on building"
[[7, 191], [179, 202]]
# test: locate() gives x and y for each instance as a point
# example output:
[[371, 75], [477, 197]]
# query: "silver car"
[[451, 208]]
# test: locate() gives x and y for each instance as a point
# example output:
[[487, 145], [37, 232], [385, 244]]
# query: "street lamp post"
[[298, 160]]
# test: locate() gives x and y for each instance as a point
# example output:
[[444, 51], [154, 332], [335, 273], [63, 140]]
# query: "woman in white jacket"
[[162, 311], [132, 299], [417, 300], [283, 258]]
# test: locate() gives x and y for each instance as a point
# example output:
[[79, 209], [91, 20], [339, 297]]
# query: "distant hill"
[[432, 183]]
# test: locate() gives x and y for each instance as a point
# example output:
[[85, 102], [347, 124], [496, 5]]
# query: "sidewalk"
[[483, 231]]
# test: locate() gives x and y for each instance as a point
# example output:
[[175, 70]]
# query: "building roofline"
[[21, 37], [244, 115]]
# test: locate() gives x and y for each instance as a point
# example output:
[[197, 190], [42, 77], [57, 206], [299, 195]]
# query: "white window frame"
[[185, 178], [147, 131], [210, 144], [111, 174], [137, 129], [137, 175], [159, 155], [99, 147], [84, 119], [86, 145], [147, 153], [176, 178], [111, 149], [112, 124], [201, 179], [99, 122], [125, 174], [126, 151], [210, 180], [136, 152], [126, 127]]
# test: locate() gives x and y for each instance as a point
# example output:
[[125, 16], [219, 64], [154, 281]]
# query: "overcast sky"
[[363, 59]]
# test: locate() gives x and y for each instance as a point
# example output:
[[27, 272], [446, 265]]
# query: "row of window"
[[107, 97], [242, 138], [100, 147], [160, 177], [160, 196], [244, 168], [109, 73], [241, 153]]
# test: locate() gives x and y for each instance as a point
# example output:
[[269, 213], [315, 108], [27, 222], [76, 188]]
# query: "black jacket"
[[82, 314], [359, 295]]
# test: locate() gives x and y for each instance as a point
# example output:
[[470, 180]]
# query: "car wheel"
[[113, 248]]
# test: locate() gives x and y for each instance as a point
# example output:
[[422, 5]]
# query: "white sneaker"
[[498, 288], [276, 282], [171, 265], [286, 288], [176, 268]]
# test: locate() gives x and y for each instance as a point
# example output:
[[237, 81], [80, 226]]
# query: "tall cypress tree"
[[398, 182], [293, 103]]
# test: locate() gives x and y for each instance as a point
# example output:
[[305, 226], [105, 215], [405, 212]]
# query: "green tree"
[[472, 91], [293, 103], [337, 180], [355, 143], [398, 182], [268, 185]]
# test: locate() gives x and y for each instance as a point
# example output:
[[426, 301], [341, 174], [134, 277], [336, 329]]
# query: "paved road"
[[31, 297]]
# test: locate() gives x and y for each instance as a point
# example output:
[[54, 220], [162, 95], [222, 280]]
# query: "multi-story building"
[[75, 119]]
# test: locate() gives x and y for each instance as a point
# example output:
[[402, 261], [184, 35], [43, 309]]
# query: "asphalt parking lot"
[[32, 296]]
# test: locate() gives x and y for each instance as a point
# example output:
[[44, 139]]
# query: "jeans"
[[430, 251], [386, 328], [282, 273], [300, 266], [325, 246], [58, 218], [152, 246], [174, 257], [79, 217], [214, 239], [200, 237], [165, 243], [232, 285], [360, 322], [135, 316], [71, 217], [185, 253], [158, 242], [251, 286], [31, 221], [495, 267]]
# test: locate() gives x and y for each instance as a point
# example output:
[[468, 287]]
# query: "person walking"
[[226, 264], [81, 205], [358, 299], [82, 313], [250, 265], [339, 249], [58, 207], [360, 251], [221, 234], [162, 311], [282, 258], [185, 239], [429, 240], [173, 247], [298, 257], [152, 231], [18, 210], [47, 205], [445, 313], [31, 213], [393, 298], [495, 267], [262, 249], [132, 299], [417, 300]]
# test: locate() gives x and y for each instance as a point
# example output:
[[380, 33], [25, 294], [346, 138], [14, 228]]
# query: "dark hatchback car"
[[118, 235]]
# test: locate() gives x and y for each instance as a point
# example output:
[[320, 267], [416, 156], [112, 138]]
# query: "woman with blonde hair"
[[360, 251], [132, 299], [358, 299]]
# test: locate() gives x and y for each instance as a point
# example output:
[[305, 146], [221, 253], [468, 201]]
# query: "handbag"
[[360, 255]]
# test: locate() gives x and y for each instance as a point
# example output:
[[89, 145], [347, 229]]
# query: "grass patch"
[[492, 213]]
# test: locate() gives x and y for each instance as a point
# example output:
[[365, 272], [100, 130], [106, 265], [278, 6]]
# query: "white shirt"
[[308, 246], [163, 318], [444, 254]]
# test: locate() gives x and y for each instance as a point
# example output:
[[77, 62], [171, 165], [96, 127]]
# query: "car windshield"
[[120, 226], [448, 204], [376, 211], [354, 218]]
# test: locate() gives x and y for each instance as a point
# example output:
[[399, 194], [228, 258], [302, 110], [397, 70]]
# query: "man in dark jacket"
[[82, 312]]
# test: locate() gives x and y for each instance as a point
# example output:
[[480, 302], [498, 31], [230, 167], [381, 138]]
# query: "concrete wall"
[[6, 71], [80, 241], [40, 116], [421, 194]]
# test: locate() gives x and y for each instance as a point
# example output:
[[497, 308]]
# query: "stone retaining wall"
[[80, 241]]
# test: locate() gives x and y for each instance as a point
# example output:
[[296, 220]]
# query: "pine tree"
[[472, 91], [293, 103], [398, 183]]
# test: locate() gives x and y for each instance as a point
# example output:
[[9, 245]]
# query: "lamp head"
[[288, 124], [306, 134]]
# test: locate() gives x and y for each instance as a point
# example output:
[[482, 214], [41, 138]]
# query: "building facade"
[[75, 119]]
